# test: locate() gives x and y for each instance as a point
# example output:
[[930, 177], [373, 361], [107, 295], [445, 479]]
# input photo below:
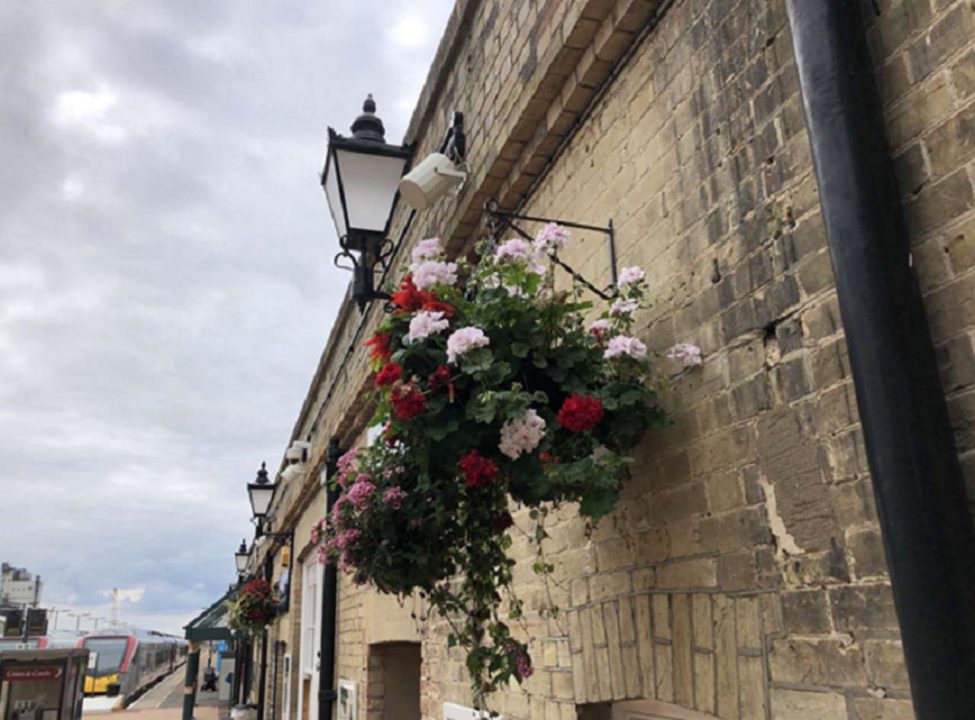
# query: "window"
[[286, 684], [311, 608]]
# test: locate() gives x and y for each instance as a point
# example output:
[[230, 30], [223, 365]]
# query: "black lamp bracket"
[[372, 250], [454, 143], [382, 254], [498, 221]]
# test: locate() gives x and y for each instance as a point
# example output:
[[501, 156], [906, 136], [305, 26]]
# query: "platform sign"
[[35, 673]]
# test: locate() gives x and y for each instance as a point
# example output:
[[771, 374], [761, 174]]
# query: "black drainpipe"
[[916, 476], [326, 671]]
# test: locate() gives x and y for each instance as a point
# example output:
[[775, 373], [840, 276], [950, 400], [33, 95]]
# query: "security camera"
[[440, 172], [292, 471], [298, 452], [429, 181]]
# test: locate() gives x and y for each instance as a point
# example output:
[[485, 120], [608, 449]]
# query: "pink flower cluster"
[[523, 664], [514, 249], [463, 341], [429, 268], [318, 531], [522, 435], [623, 307], [687, 353], [360, 491], [346, 466], [551, 239], [629, 346], [425, 323], [428, 249], [631, 276], [433, 272], [394, 497], [520, 250]]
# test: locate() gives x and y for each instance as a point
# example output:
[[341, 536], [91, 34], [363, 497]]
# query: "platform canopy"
[[211, 624]]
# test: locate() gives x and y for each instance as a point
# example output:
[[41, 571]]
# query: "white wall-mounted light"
[[440, 172], [429, 181], [298, 452]]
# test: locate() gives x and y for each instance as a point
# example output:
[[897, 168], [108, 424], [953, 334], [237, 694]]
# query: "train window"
[[109, 654]]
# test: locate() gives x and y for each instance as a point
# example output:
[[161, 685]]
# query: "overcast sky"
[[166, 279]]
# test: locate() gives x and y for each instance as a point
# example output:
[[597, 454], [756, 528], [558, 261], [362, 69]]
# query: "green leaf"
[[598, 502], [520, 349]]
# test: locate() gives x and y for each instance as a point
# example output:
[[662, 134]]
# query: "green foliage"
[[541, 414], [255, 608]]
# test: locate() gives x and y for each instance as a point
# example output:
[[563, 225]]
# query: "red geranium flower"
[[477, 470], [409, 298], [580, 413], [407, 403], [390, 373], [502, 522], [438, 378], [434, 305], [380, 346]]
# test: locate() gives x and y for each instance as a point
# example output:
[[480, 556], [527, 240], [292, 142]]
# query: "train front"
[[108, 661]]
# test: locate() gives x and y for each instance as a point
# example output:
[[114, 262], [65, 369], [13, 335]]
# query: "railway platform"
[[164, 701]]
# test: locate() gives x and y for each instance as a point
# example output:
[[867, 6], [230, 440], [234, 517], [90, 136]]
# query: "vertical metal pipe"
[[262, 687], [189, 685], [326, 670], [917, 480]]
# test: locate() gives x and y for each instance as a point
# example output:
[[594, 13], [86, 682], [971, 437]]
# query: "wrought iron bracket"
[[498, 221], [371, 251]]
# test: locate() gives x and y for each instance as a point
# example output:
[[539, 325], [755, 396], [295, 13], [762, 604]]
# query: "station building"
[[744, 574]]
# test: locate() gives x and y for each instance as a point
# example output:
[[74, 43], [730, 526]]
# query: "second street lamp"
[[241, 557], [260, 492], [360, 181]]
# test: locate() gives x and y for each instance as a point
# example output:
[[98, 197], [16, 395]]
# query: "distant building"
[[18, 588]]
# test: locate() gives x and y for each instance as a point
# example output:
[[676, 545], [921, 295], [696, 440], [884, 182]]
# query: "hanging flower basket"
[[254, 609], [495, 392]]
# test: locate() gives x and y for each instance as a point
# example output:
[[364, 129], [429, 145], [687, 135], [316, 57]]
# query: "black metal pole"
[[247, 654], [916, 476], [262, 688], [326, 671]]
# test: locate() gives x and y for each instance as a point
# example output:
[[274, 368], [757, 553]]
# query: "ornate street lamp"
[[360, 181], [241, 557], [260, 492]]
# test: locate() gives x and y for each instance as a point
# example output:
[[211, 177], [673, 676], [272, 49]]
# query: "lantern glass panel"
[[331, 184], [370, 183], [260, 496]]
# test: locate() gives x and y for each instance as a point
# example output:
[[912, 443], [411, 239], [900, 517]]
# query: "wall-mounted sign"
[[32, 674], [347, 700]]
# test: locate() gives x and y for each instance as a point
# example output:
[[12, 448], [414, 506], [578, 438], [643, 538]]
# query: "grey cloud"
[[166, 284]]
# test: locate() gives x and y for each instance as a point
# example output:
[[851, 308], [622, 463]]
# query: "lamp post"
[[261, 492], [360, 180], [241, 557]]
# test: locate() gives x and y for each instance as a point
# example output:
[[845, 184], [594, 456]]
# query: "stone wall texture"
[[743, 574]]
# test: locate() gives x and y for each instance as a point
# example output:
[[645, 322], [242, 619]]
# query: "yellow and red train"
[[124, 661]]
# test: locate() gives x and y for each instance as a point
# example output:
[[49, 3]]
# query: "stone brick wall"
[[924, 55], [743, 574]]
